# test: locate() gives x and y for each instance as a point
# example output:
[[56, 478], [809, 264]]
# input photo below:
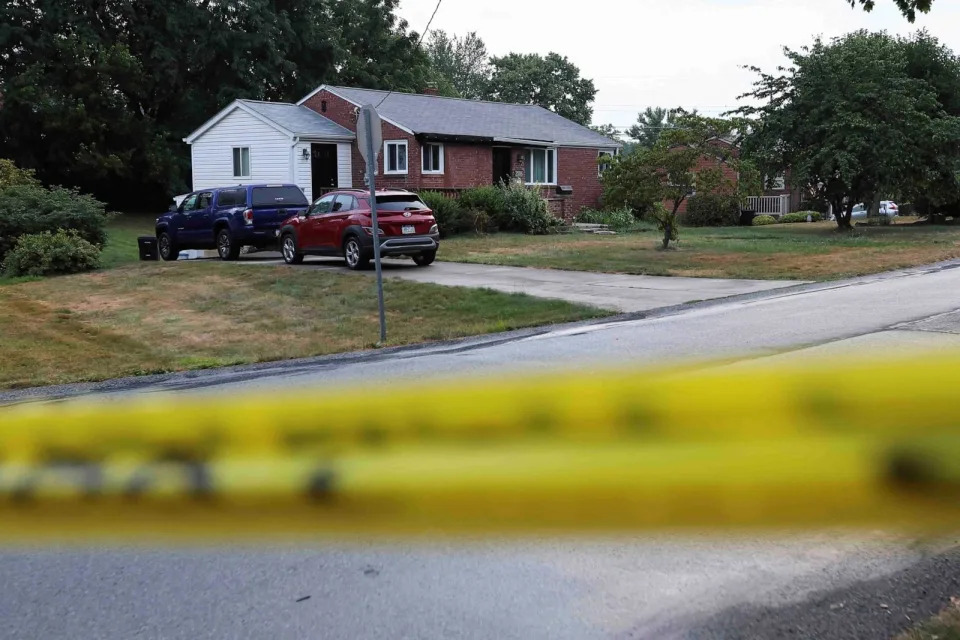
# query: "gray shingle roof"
[[501, 121], [297, 119]]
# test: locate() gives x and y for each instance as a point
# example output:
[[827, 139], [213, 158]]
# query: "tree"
[[607, 130], [908, 8], [553, 82], [690, 157], [651, 122], [849, 121], [461, 62], [99, 95]]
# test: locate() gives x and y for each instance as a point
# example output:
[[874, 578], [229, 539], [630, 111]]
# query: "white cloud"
[[668, 52]]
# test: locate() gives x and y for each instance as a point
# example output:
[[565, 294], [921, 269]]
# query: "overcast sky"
[[668, 53]]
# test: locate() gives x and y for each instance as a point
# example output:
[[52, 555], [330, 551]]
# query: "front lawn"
[[797, 251], [156, 317]]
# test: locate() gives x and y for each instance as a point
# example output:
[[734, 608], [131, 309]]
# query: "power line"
[[417, 48]]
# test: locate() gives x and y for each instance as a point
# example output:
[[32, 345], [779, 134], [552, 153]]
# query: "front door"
[[199, 221], [501, 165], [323, 168]]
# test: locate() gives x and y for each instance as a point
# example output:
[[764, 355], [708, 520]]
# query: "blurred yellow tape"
[[827, 443]]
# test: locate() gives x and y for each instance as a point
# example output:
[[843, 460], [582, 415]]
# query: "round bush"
[[801, 216], [525, 210], [31, 209], [712, 210], [759, 221], [45, 254], [451, 218], [618, 219]]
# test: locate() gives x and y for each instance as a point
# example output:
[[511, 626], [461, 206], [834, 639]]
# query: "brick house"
[[430, 143]]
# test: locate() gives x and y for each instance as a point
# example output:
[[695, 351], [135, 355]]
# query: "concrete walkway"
[[613, 291]]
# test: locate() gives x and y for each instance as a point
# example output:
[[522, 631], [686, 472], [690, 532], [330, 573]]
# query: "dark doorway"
[[501, 165], [323, 168]]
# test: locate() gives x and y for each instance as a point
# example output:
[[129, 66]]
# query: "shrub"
[[819, 205], [907, 209], [712, 210], [44, 254], [618, 219], [801, 216], [759, 221], [12, 175], [31, 209], [451, 218], [525, 210], [488, 199]]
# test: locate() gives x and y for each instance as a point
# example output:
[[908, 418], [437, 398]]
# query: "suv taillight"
[[248, 216]]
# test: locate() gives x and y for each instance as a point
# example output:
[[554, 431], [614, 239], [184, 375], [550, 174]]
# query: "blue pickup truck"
[[228, 218]]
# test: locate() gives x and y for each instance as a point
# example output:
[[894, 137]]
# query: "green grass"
[[945, 626], [156, 317], [122, 232], [785, 251]]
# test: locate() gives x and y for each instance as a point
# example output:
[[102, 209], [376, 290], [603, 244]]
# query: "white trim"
[[601, 152], [241, 175], [423, 156], [230, 108], [386, 157], [545, 150], [356, 104]]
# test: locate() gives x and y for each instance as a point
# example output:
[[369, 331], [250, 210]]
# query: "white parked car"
[[887, 208]]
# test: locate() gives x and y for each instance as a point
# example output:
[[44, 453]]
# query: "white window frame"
[[386, 157], [233, 159], [423, 157], [528, 165], [603, 152], [779, 182]]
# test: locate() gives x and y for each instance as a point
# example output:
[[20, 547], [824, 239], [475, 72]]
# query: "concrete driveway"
[[617, 292]]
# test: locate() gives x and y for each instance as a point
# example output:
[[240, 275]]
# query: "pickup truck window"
[[190, 203], [204, 200], [232, 198], [278, 197]]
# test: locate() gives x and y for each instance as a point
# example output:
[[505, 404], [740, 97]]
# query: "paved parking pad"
[[618, 292]]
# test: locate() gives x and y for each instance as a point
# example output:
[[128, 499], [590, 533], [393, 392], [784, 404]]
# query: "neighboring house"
[[430, 143], [710, 161]]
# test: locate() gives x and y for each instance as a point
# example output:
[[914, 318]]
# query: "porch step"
[[600, 229]]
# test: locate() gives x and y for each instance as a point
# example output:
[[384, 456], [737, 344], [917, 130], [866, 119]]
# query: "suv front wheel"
[[226, 247], [354, 255]]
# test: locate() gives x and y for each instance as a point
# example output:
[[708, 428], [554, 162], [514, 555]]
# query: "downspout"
[[293, 161]]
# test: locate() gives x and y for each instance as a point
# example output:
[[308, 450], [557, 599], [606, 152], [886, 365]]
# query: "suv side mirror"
[[172, 208]]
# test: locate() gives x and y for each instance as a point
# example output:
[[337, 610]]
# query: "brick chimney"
[[430, 89]]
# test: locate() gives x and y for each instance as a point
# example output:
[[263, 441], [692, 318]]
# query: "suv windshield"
[[399, 203], [278, 196]]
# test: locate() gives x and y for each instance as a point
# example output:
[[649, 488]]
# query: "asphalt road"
[[639, 587]]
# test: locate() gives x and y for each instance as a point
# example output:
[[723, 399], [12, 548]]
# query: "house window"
[[395, 156], [432, 155], [540, 166], [241, 162], [778, 183], [601, 167]]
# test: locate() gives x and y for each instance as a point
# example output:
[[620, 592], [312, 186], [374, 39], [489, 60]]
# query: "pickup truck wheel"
[[424, 259], [168, 249], [288, 246], [226, 247], [354, 255]]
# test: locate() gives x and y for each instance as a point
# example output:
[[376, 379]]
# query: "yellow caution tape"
[[863, 443]]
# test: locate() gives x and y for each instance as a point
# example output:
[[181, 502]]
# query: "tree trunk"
[[667, 232], [842, 214]]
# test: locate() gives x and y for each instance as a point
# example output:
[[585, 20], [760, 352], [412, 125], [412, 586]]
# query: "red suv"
[[339, 224]]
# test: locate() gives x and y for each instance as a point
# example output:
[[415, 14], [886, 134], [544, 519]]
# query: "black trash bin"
[[746, 217], [148, 248]]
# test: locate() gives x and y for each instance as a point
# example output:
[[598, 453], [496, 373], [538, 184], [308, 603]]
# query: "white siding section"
[[303, 175], [345, 165], [212, 153]]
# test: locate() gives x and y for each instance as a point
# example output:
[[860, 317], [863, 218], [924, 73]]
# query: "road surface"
[[637, 587]]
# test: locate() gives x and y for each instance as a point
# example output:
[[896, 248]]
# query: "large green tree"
[[99, 95], [551, 81], [852, 122], [651, 122], [689, 157], [908, 8], [462, 62]]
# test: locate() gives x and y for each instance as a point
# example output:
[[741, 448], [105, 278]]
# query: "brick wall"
[[467, 165]]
